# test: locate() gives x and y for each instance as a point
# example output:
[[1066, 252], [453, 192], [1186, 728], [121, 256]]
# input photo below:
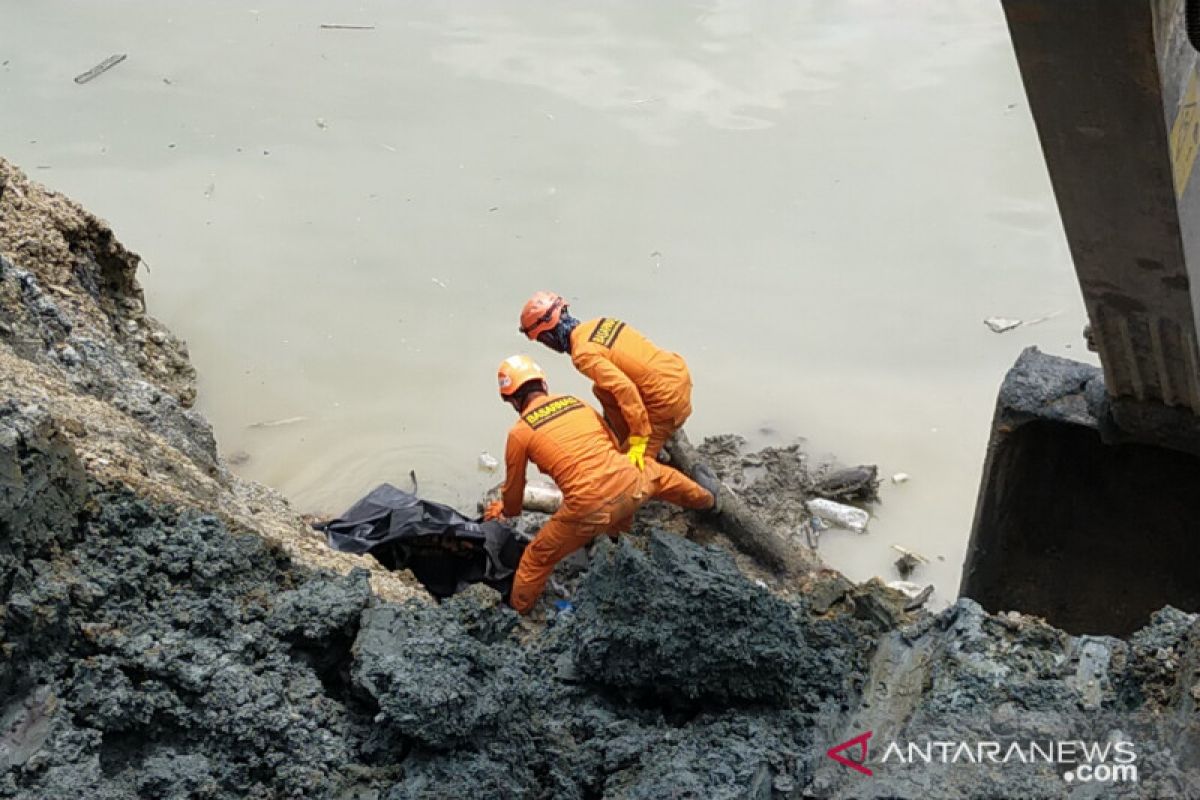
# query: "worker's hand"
[[637, 451], [494, 510]]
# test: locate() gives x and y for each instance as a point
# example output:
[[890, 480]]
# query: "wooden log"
[[744, 527]]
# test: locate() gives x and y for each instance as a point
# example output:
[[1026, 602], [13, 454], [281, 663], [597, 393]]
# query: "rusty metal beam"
[[1112, 85]]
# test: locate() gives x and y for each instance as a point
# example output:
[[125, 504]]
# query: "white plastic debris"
[[543, 497], [909, 589], [1002, 324], [487, 462], [839, 514], [900, 477]]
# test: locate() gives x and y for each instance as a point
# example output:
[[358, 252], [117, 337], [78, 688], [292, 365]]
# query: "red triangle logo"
[[860, 741]]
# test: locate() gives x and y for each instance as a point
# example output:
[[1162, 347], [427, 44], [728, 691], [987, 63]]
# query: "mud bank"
[[168, 632]]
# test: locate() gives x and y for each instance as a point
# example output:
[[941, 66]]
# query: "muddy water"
[[817, 203]]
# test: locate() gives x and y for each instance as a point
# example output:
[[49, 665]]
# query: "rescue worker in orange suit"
[[645, 391], [601, 489]]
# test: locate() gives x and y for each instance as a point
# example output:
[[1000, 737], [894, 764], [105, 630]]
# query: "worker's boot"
[[708, 479]]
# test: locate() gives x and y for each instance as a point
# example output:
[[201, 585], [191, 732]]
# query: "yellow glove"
[[637, 451]]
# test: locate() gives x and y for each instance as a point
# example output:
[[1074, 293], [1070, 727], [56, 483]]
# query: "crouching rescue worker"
[[601, 489], [645, 391]]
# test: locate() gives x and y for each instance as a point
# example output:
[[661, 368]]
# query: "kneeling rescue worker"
[[645, 391], [601, 489]]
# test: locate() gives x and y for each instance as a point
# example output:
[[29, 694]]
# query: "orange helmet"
[[516, 371], [541, 313]]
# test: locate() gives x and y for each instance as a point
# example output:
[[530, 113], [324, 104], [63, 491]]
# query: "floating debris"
[[839, 514], [101, 68], [488, 462], [334, 26], [276, 423], [900, 477], [1002, 324], [908, 560], [439, 283]]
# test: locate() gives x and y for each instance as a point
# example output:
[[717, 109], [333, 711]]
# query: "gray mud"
[[153, 649], [154, 653]]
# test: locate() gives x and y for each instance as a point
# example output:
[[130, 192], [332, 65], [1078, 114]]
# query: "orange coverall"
[[601, 490], [644, 390]]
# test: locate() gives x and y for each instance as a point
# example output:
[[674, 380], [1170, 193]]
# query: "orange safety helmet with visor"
[[541, 313]]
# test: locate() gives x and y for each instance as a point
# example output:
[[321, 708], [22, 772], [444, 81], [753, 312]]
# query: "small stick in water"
[[275, 423], [412, 476], [101, 68], [335, 26]]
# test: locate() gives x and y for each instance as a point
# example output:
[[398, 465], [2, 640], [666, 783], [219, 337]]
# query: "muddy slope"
[[165, 635]]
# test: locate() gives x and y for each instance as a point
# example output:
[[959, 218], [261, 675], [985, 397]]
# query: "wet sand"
[[817, 205]]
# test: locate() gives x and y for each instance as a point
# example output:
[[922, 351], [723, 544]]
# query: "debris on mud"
[[839, 514], [778, 482], [859, 483]]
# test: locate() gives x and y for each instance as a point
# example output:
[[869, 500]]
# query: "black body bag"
[[445, 550]]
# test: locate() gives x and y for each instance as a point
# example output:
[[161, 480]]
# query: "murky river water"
[[817, 203]]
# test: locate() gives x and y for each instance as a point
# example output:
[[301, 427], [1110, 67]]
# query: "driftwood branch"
[[744, 527]]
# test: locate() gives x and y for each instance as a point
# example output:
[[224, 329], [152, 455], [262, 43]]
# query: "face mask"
[[554, 339], [559, 337]]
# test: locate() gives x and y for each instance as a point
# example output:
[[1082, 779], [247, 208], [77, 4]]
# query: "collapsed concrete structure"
[[169, 631]]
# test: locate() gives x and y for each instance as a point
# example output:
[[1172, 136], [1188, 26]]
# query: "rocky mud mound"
[[167, 631], [152, 652]]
